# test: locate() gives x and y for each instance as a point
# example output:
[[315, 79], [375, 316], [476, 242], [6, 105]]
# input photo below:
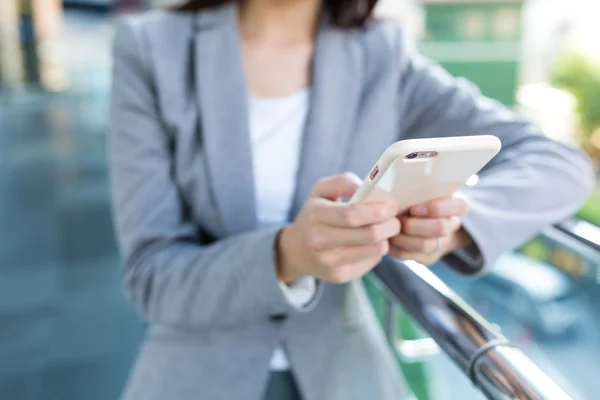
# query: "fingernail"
[[419, 211]]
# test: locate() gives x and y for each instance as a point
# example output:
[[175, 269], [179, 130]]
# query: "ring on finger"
[[436, 248]]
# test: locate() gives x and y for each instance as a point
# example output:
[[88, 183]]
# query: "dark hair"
[[343, 13]]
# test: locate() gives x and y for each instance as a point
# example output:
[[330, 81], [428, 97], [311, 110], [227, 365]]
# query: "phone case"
[[424, 178]]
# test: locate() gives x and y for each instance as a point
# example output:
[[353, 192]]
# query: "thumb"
[[334, 187]]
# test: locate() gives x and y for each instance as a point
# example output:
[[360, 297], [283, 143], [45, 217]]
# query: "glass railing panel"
[[476, 347], [545, 300]]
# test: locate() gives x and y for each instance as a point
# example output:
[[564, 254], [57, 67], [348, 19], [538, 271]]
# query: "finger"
[[337, 186], [414, 243], [420, 257], [425, 259], [342, 256], [326, 237], [354, 215], [455, 206], [429, 227], [353, 271]]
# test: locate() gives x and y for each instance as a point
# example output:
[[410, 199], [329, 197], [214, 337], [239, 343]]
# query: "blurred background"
[[66, 331]]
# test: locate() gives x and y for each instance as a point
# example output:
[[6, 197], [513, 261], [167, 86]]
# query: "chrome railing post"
[[409, 350]]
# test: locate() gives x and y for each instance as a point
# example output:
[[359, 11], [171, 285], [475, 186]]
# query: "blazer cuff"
[[300, 292], [469, 260]]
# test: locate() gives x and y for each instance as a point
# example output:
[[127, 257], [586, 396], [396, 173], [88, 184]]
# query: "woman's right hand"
[[334, 241]]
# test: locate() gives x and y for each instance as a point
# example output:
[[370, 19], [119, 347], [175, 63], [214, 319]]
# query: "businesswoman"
[[235, 128]]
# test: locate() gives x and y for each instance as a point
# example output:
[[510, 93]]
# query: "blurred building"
[[11, 63], [29, 44]]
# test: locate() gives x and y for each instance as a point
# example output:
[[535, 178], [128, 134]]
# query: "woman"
[[232, 127]]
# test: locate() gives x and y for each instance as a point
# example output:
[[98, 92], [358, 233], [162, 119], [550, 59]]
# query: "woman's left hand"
[[431, 230]]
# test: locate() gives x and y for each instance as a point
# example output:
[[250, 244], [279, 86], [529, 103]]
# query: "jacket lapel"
[[222, 99], [338, 72], [337, 79]]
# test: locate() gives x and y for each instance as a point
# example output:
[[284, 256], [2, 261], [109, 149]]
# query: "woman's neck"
[[279, 21]]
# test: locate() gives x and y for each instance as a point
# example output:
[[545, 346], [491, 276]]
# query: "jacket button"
[[278, 317]]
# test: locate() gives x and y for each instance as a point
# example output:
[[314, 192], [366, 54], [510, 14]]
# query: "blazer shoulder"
[[386, 41], [385, 46], [160, 23], [389, 35], [159, 39]]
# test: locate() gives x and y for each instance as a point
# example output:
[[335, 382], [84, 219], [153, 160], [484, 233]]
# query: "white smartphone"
[[419, 170]]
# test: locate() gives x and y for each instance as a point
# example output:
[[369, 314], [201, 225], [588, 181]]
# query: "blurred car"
[[534, 293], [90, 3]]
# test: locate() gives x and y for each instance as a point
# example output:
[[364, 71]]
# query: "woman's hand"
[[431, 230], [333, 241]]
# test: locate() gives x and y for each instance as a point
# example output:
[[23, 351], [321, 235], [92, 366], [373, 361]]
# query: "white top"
[[276, 127]]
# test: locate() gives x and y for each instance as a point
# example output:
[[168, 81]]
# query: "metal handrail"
[[583, 231], [494, 365]]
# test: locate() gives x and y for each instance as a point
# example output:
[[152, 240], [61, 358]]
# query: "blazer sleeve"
[[170, 277], [530, 184]]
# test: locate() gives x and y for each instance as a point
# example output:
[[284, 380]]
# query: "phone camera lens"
[[411, 156]]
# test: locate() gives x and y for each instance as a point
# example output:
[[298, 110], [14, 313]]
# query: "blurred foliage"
[[536, 249], [579, 74], [591, 209]]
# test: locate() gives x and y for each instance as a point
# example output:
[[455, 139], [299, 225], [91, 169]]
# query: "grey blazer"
[[196, 266]]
